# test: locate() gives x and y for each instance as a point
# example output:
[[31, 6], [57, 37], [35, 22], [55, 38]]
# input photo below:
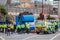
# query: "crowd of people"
[[11, 28], [20, 28]]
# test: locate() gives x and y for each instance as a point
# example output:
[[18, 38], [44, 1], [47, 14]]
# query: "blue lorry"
[[24, 17]]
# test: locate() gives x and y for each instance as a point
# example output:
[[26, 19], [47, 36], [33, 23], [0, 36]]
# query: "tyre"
[[37, 32], [53, 31]]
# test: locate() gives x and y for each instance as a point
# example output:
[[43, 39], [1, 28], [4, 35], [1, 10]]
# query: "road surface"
[[31, 36]]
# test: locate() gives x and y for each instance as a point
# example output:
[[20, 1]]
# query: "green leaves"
[[3, 11]]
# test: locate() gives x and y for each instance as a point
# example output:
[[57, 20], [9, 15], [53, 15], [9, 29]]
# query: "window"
[[45, 0], [15, 2], [39, 1], [24, 4], [32, 1]]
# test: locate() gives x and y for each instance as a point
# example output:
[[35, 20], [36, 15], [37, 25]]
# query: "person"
[[12, 28], [5, 26], [23, 28], [18, 28], [8, 29], [56, 26], [27, 27], [0, 27]]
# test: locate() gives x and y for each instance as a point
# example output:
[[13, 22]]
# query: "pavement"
[[31, 36]]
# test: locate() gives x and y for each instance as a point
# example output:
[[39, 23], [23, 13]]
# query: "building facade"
[[55, 6], [28, 5], [59, 9], [34, 6], [3, 2]]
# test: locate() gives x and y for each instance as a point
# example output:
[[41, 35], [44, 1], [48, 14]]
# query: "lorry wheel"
[[53, 32], [38, 32]]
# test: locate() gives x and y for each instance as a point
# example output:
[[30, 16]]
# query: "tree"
[[3, 10]]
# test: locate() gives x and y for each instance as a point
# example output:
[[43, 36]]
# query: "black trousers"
[[12, 30], [23, 30], [18, 30], [27, 30]]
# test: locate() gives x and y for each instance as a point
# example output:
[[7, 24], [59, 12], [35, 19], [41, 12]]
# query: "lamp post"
[[24, 5], [36, 6], [42, 6]]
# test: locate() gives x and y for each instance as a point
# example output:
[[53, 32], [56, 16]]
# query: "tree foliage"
[[3, 10]]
